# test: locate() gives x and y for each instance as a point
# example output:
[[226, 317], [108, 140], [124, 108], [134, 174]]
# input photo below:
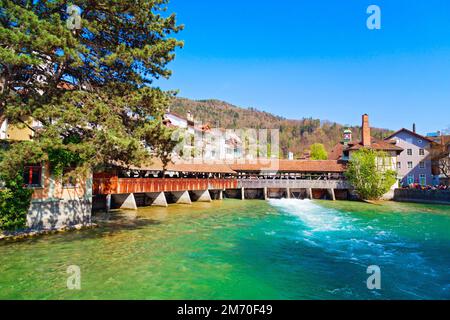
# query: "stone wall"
[[422, 196], [53, 214]]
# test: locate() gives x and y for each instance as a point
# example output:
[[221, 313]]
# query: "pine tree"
[[86, 75]]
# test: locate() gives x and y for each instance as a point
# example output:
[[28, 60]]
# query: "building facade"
[[203, 142], [55, 203], [414, 164]]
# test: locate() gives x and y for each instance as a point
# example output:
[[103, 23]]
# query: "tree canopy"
[[369, 173], [318, 152], [89, 86]]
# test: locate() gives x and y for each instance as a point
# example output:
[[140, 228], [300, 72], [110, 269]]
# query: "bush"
[[368, 172], [15, 201]]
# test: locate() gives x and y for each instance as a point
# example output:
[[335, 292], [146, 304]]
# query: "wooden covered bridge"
[[130, 188]]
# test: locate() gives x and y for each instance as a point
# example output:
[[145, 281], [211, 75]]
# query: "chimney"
[[414, 127], [365, 131]]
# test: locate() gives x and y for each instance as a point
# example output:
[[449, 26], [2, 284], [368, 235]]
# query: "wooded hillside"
[[295, 135]]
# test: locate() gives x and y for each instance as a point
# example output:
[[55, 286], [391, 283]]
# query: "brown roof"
[[291, 166], [375, 144], [268, 165], [66, 86], [336, 152], [410, 132], [200, 168], [157, 165]]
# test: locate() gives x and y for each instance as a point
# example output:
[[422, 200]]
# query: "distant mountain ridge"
[[295, 135]]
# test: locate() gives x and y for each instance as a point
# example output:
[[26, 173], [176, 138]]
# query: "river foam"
[[339, 233]]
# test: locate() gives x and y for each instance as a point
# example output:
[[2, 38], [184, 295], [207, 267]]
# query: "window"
[[422, 165], [410, 179], [423, 180], [421, 152], [419, 141], [32, 176], [410, 165], [399, 165], [409, 152]]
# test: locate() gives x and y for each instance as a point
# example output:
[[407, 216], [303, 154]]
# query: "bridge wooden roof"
[[267, 165], [156, 165], [292, 166]]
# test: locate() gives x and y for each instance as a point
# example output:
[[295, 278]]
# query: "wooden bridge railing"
[[116, 185], [295, 184]]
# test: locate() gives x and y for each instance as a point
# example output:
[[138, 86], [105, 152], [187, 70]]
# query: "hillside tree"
[[318, 152]]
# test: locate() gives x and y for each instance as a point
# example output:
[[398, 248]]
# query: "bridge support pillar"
[[157, 199], [108, 202], [242, 194], [288, 193], [220, 194], [182, 197], [202, 196], [128, 201], [309, 193], [332, 195], [265, 193]]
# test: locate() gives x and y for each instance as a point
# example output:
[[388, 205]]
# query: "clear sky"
[[317, 58]]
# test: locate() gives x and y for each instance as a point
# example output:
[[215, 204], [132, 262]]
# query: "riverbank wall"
[[422, 196]]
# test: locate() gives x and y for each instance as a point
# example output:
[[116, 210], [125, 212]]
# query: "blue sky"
[[300, 58]]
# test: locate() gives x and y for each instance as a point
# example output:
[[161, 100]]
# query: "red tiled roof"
[[336, 152], [258, 165], [292, 166], [200, 168], [66, 86], [157, 165]]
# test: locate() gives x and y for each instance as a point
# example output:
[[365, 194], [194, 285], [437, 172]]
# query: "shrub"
[[369, 173], [15, 201]]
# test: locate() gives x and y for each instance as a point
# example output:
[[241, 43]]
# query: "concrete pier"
[[309, 193], [201, 196], [332, 195], [157, 199], [108, 202], [181, 197], [125, 201]]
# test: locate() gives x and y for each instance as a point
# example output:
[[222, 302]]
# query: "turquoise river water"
[[232, 249]]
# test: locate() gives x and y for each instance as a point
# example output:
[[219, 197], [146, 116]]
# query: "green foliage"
[[62, 158], [89, 88], [369, 173], [318, 152], [14, 203]]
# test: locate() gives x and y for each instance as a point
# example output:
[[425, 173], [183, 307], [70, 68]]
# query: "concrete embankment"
[[422, 196]]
